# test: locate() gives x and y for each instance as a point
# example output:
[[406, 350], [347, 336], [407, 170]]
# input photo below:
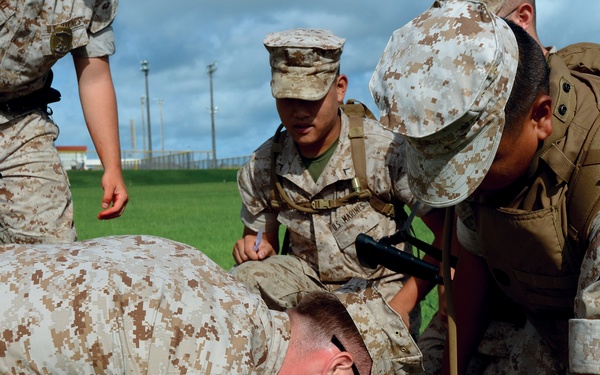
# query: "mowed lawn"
[[196, 207], [200, 208]]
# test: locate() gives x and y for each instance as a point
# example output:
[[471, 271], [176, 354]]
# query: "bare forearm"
[[98, 100]]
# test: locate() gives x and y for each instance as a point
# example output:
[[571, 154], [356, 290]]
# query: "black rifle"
[[372, 253]]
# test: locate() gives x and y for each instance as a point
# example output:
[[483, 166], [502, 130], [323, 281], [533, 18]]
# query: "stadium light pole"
[[160, 103], [144, 68], [133, 140], [211, 69], [143, 105]]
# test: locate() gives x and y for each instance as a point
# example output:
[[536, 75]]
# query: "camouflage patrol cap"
[[304, 62], [443, 82], [387, 339]]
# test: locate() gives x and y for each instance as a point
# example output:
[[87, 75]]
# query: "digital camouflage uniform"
[[35, 201], [131, 304], [381, 329], [494, 352], [322, 254], [500, 338], [447, 161], [563, 316], [325, 242]]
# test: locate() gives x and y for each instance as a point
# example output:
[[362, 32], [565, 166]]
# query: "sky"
[[180, 38]]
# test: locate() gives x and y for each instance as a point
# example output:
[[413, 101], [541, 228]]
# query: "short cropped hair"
[[326, 316], [531, 81]]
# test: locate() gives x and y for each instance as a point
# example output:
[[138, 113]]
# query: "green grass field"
[[197, 207], [200, 208]]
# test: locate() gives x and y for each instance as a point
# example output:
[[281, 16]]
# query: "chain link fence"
[[144, 160]]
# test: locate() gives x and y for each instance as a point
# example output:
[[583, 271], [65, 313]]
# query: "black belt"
[[37, 99]]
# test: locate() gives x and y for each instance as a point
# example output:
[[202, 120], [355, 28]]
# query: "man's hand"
[[412, 292], [115, 196], [244, 249]]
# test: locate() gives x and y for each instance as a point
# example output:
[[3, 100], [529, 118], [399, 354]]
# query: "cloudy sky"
[[180, 38]]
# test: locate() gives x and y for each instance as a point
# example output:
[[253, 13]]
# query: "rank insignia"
[[61, 41]]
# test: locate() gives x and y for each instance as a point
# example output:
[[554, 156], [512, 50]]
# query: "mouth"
[[303, 128]]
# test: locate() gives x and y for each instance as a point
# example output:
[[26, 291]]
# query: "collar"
[[564, 103], [277, 333], [339, 167]]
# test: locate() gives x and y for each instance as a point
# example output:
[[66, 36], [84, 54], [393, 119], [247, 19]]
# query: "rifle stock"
[[372, 253]]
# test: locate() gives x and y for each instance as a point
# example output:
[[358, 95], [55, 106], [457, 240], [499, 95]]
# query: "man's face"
[[314, 125], [515, 153]]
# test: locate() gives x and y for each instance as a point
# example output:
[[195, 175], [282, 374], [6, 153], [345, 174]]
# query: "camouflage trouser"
[[504, 350], [35, 200], [279, 278]]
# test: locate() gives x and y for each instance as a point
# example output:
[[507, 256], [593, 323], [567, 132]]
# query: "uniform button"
[[566, 87], [562, 109]]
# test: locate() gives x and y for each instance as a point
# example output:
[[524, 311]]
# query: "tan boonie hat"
[[387, 339], [443, 82], [304, 62]]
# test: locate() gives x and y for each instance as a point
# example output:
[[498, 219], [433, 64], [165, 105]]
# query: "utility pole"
[[160, 103], [143, 104], [133, 143], [211, 69], [144, 68]]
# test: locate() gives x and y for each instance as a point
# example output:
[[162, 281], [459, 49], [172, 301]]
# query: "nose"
[[300, 108]]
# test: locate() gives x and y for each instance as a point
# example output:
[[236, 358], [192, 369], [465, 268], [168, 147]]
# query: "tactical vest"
[[279, 199], [535, 245]]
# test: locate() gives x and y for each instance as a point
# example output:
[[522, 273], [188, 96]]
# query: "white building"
[[73, 157]]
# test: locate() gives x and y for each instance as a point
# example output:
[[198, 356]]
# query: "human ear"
[[541, 115], [523, 16], [340, 363], [341, 87]]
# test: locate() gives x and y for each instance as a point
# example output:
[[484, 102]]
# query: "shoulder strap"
[[582, 168], [274, 193], [357, 147], [355, 108], [278, 197], [356, 134]]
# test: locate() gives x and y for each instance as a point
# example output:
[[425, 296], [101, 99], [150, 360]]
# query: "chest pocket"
[[60, 39], [529, 256], [351, 221]]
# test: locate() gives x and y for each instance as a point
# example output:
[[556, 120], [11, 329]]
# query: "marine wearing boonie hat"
[[443, 82], [381, 329], [304, 62]]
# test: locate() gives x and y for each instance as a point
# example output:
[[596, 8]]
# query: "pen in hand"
[[258, 239]]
